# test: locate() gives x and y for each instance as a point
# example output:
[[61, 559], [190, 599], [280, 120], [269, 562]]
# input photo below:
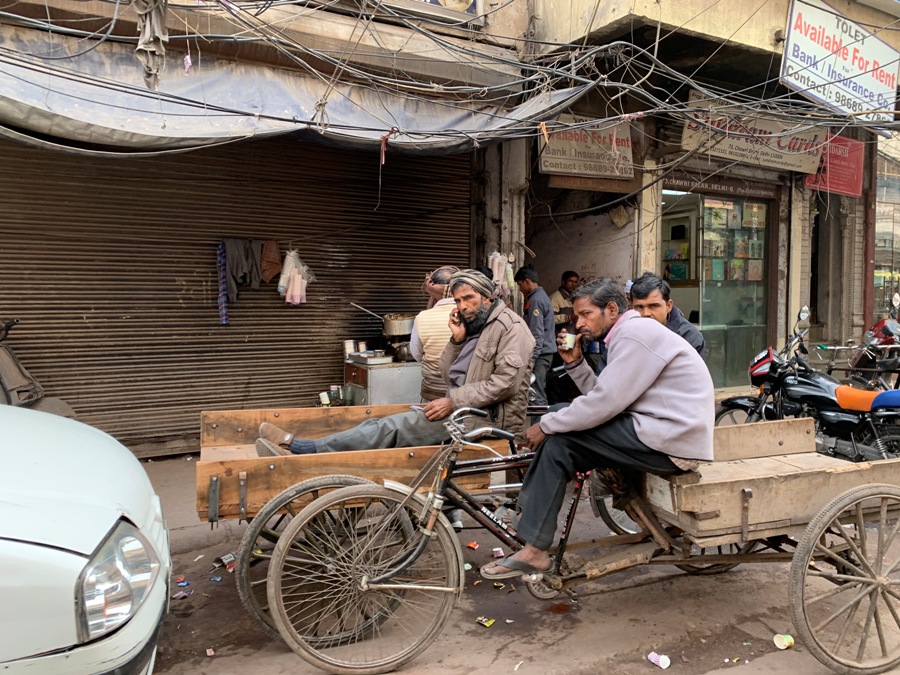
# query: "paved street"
[[608, 627]]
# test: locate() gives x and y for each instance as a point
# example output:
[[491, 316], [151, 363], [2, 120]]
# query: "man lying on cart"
[[487, 364], [651, 409]]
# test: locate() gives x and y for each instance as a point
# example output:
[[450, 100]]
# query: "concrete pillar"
[[647, 224]]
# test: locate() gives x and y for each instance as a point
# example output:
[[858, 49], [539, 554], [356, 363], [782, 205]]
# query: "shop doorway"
[[713, 253]]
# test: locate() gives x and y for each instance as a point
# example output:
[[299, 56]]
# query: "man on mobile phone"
[[486, 364]]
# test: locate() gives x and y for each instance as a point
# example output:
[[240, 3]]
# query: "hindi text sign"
[[841, 168]]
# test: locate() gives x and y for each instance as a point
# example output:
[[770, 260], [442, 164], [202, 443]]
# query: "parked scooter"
[[18, 387], [850, 423]]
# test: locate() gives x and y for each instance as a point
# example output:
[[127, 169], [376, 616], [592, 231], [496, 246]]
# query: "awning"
[[97, 102]]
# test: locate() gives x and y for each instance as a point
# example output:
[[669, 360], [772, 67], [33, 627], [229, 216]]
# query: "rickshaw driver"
[[650, 410]]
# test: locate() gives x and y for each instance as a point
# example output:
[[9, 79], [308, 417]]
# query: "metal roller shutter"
[[111, 265]]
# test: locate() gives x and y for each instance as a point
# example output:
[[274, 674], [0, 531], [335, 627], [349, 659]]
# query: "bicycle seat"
[[887, 399], [855, 399]]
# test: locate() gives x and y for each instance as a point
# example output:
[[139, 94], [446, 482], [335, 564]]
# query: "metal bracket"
[[242, 495], [746, 496], [212, 508]]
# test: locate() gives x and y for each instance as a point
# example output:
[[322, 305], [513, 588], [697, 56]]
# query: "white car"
[[84, 551]]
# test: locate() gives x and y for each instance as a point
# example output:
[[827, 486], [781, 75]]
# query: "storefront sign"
[[841, 168], [600, 151], [834, 61], [595, 184], [689, 182], [750, 140]]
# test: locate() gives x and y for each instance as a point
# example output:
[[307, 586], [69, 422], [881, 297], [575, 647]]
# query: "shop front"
[[716, 253]]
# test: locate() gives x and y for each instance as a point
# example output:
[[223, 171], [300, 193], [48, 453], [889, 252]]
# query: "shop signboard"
[[841, 167], [834, 61], [719, 129], [598, 150]]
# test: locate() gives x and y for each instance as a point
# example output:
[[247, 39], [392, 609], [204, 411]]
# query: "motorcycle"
[[18, 387], [850, 423], [871, 366]]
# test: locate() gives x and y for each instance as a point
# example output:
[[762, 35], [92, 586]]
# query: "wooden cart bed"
[[233, 482]]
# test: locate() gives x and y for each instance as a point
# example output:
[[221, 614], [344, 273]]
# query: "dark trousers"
[[611, 445]]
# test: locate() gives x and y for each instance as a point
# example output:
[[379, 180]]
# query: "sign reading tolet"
[[832, 60]]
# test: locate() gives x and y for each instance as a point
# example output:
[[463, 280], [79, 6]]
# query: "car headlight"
[[115, 582]]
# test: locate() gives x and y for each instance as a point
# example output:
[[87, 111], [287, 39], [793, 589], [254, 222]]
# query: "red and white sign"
[[841, 167]]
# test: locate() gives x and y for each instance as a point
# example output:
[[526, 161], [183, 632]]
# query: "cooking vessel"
[[394, 324]]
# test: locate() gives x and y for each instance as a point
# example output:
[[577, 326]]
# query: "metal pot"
[[398, 324], [394, 324]]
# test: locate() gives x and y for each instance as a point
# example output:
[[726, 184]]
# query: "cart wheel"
[[262, 535], [698, 568], [845, 582], [354, 589]]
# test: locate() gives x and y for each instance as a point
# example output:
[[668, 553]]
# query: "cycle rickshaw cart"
[[359, 573]]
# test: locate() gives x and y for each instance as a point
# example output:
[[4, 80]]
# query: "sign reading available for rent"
[[832, 60]]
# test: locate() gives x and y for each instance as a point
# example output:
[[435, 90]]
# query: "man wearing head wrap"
[[486, 364], [431, 332]]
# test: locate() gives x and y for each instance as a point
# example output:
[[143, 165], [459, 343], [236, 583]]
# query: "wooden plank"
[[266, 477], [763, 439], [784, 493], [239, 427], [226, 452]]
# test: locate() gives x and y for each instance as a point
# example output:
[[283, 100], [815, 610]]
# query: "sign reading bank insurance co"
[[832, 60], [598, 151], [719, 129]]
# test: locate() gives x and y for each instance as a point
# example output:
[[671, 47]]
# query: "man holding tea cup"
[[651, 410]]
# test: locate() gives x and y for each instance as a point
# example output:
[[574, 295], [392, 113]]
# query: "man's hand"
[[457, 327], [568, 355], [534, 436], [438, 409]]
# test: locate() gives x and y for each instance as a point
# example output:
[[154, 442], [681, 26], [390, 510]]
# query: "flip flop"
[[517, 569]]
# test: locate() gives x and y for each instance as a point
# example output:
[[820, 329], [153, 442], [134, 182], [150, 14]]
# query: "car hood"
[[65, 484]]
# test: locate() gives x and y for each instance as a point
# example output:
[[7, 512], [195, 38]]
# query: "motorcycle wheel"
[[888, 436], [730, 416]]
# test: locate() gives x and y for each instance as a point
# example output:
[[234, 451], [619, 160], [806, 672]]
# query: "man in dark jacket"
[[485, 365], [538, 314], [650, 297]]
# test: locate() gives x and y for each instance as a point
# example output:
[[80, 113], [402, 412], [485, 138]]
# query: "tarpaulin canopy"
[[97, 101]]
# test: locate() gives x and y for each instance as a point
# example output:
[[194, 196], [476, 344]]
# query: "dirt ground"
[[704, 624]]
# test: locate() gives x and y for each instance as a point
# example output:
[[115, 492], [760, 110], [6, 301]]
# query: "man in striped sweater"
[[431, 333]]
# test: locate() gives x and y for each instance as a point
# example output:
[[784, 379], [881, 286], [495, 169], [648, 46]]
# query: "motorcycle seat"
[[855, 399], [888, 365], [887, 399]]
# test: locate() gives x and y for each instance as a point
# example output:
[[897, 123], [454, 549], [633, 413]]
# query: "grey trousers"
[[540, 370], [403, 430], [613, 444]]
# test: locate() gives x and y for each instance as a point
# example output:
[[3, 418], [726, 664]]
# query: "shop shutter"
[[111, 265]]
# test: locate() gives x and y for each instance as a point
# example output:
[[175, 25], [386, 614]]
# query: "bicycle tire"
[[318, 581], [733, 416], [263, 533]]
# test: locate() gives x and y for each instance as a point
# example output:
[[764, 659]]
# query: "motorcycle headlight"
[[869, 339], [115, 582]]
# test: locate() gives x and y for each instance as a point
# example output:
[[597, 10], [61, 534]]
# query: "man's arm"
[[624, 380], [415, 343], [535, 323]]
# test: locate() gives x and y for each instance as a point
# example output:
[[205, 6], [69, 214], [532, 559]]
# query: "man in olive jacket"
[[486, 364]]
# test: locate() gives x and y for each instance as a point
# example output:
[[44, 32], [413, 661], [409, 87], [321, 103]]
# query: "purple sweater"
[[656, 377]]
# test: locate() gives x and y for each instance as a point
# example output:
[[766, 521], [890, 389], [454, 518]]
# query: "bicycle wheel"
[[353, 589], [844, 579], [263, 533], [615, 519]]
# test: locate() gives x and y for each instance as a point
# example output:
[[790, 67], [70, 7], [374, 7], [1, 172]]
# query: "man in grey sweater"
[[650, 410]]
